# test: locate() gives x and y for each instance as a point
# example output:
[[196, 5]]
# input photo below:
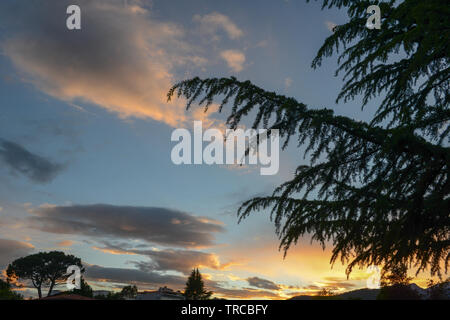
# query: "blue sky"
[[87, 108]]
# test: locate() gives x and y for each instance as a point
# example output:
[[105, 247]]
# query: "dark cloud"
[[11, 250], [179, 260], [135, 276], [263, 283], [153, 225], [20, 160], [338, 283]]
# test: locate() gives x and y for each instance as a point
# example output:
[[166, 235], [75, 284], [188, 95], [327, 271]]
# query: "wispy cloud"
[[235, 59], [263, 283], [179, 260], [65, 243], [287, 82], [330, 25], [212, 22], [33, 166]]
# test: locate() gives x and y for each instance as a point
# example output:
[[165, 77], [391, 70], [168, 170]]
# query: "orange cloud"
[[235, 59], [65, 243], [123, 63], [113, 251], [210, 23]]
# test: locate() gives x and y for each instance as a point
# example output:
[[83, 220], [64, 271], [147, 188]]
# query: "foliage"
[[396, 275], [43, 268], [6, 293], [379, 191], [195, 288], [129, 292]]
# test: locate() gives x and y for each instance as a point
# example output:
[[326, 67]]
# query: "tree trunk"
[[51, 288], [39, 292]]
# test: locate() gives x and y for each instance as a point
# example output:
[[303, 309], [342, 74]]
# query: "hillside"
[[371, 294]]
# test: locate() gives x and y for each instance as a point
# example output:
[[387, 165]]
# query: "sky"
[[85, 141]]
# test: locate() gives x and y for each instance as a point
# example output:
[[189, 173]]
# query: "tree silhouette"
[[129, 291], [395, 284], [195, 288], [379, 191], [43, 268], [85, 289], [396, 275], [6, 293]]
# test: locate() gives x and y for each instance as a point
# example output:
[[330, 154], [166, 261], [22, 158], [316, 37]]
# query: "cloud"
[[330, 25], [235, 59], [287, 82], [263, 283], [214, 21], [65, 243], [122, 60], [337, 283], [127, 276], [151, 224], [179, 260], [20, 160], [11, 250], [113, 251]]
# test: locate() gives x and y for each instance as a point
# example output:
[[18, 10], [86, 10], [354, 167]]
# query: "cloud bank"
[[151, 224], [179, 260], [11, 250]]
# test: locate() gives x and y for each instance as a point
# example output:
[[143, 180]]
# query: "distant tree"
[[43, 269], [395, 275], [110, 296], [6, 293], [114, 296], [85, 289], [195, 288], [129, 292], [395, 284], [371, 188], [325, 292]]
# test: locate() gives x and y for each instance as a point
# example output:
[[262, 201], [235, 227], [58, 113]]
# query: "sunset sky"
[[85, 144]]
